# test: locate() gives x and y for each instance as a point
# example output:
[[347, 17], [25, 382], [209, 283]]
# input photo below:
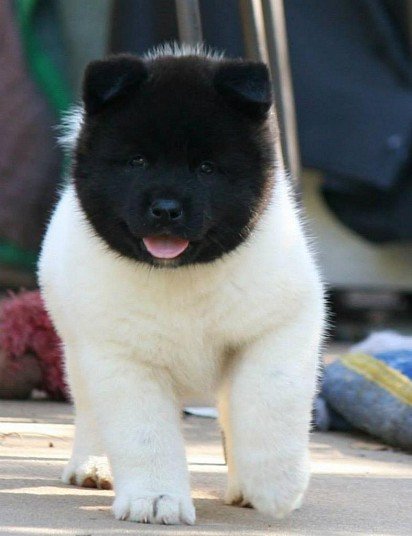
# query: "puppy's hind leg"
[[233, 493], [88, 466]]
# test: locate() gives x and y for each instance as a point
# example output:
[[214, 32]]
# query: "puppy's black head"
[[174, 158]]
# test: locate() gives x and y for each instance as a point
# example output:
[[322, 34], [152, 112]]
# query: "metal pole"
[[253, 30], [189, 22], [254, 37], [276, 39]]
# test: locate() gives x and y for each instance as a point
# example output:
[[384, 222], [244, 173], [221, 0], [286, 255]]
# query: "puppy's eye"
[[206, 168], [139, 161]]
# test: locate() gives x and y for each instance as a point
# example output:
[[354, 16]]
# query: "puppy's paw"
[[159, 508], [268, 503], [92, 472], [274, 504], [273, 493]]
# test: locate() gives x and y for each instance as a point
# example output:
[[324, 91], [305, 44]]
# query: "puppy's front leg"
[[140, 425], [266, 402]]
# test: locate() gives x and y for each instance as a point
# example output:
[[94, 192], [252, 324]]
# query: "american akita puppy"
[[175, 264]]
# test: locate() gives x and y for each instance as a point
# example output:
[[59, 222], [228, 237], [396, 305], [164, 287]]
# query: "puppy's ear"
[[107, 79], [246, 85]]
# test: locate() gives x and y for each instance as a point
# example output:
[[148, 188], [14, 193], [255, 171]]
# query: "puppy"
[[175, 264]]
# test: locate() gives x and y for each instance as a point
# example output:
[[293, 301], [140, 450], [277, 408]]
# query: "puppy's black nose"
[[166, 211]]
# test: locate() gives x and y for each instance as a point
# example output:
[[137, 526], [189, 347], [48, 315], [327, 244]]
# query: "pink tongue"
[[165, 247]]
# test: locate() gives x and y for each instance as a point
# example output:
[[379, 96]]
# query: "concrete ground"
[[358, 486]]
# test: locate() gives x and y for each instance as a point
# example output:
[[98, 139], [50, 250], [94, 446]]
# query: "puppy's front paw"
[[92, 472], [273, 492], [158, 508], [267, 503]]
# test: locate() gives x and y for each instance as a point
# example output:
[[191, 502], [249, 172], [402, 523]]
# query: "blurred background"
[[342, 75]]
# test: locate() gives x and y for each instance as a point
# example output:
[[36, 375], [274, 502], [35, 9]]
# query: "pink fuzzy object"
[[25, 328]]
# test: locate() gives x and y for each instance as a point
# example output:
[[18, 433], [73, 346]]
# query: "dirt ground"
[[358, 486]]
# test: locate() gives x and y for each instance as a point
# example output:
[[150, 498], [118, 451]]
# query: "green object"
[[53, 86], [15, 256], [44, 71]]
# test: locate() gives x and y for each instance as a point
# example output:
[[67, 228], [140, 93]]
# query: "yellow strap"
[[378, 372]]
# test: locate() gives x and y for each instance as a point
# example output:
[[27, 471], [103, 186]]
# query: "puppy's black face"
[[174, 160]]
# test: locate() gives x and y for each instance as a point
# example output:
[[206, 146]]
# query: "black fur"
[[190, 129]]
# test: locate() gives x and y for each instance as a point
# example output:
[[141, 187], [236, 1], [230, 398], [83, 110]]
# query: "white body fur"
[[137, 340]]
